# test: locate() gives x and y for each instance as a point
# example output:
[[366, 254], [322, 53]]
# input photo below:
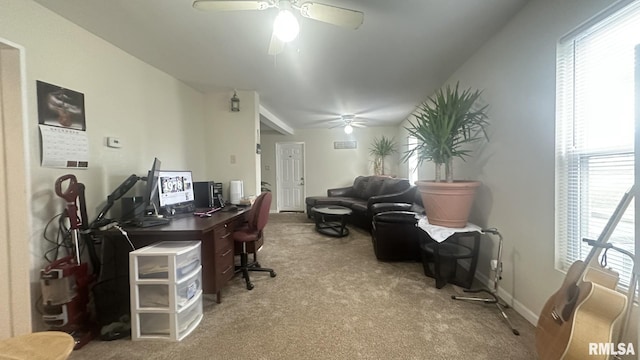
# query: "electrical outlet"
[[494, 264]]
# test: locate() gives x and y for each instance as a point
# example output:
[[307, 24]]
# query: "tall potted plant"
[[381, 148], [445, 125]]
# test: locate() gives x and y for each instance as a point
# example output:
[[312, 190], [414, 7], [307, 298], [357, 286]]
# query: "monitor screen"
[[175, 188], [150, 194]]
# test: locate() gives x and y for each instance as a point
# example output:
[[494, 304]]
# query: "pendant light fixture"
[[235, 102]]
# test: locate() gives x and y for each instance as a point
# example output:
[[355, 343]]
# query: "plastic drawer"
[[158, 296], [189, 319], [189, 288], [169, 325], [156, 261]]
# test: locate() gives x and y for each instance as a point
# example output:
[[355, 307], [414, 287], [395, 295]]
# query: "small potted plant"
[[445, 125], [381, 148]]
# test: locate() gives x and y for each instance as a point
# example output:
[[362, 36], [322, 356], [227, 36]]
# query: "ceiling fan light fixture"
[[286, 26], [348, 129]]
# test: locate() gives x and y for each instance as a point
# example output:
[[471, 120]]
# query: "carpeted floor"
[[333, 300]]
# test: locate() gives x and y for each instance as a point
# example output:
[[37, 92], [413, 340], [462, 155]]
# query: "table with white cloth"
[[450, 255]]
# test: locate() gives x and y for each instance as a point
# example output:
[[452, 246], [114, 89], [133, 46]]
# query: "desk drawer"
[[225, 265], [222, 238]]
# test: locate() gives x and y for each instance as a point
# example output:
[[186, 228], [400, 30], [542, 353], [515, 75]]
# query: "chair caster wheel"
[[249, 286], [272, 274], [257, 264]]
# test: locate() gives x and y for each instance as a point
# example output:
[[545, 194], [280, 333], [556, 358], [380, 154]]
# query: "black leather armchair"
[[395, 236], [394, 231]]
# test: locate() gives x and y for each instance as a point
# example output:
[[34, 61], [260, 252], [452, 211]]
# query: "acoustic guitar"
[[587, 308]]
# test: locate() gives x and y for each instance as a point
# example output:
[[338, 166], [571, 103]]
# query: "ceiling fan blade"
[[351, 19], [337, 126], [360, 125], [229, 5], [276, 45]]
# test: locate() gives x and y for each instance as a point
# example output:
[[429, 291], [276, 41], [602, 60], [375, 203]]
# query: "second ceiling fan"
[[285, 26], [348, 122]]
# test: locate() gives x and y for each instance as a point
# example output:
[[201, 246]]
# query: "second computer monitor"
[[175, 189]]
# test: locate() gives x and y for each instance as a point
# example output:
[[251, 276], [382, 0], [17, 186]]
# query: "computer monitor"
[[175, 189], [151, 193]]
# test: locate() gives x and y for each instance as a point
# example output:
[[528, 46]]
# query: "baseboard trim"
[[526, 313]]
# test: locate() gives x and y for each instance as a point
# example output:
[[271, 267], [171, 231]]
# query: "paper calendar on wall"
[[62, 125]]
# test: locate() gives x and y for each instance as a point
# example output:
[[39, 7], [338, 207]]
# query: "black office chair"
[[251, 234]]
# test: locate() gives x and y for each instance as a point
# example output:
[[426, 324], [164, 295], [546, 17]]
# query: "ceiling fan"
[[285, 26], [348, 122]]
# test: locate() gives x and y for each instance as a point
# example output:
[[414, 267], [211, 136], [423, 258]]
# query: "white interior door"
[[290, 176]]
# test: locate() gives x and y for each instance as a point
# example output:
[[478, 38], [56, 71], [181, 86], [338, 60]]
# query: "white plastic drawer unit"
[[168, 260], [166, 290]]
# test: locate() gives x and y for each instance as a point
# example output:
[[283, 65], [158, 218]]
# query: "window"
[[595, 135], [412, 162]]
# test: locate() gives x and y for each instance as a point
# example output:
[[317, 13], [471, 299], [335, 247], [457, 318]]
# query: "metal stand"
[[492, 292]]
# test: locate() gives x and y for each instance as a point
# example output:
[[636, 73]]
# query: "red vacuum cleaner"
[[66, 281]]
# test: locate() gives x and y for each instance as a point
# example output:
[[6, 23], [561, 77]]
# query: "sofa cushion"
[[323, 200], [393, 186], [357, 205], [373, 186], [360, 186]]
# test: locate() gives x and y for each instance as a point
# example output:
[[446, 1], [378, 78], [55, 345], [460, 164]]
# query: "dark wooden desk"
[[217, 253]]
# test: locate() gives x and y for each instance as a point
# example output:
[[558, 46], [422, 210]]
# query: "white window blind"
[[595, 135], [412, 162]]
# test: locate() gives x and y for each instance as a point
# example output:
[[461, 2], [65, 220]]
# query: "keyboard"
[[149, 221]]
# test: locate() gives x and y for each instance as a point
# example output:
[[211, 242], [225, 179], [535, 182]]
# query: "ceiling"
[[404, 50]]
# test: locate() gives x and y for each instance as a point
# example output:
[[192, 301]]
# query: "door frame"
[[304, 171], [15, 259]]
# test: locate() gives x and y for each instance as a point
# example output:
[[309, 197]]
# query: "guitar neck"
[[609, 228]]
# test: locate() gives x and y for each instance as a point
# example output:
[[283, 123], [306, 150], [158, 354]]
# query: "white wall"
[[152, 113], [327, 167], [231, 141], [516, 69]]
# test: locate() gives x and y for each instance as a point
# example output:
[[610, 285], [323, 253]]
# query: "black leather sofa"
[[363, 194]]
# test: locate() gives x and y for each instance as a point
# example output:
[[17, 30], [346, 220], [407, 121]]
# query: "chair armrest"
[[406, 196], [344, 192], [398, 217], [378, 208]]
